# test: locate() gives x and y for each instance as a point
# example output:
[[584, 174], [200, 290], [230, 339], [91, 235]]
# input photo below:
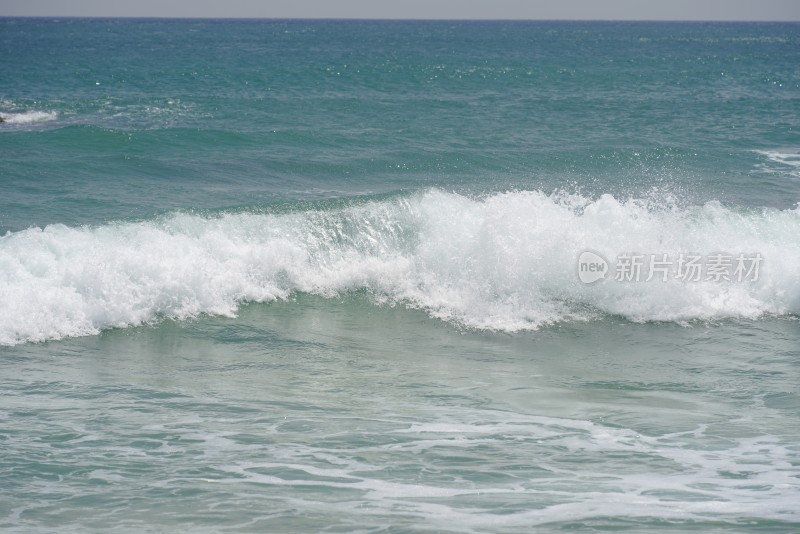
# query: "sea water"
[[362, 276]]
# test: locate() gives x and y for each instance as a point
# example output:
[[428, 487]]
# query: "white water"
[[506, 263], [782, 161], [29, 117]]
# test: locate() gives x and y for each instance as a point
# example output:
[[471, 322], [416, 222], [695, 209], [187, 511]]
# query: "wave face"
[[507, 262]]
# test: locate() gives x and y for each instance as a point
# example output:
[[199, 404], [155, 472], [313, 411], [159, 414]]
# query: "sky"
[[779, 10]]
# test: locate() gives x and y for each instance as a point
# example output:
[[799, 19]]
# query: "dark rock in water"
[[2, 119]]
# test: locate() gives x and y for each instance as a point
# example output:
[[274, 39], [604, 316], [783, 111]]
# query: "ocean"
[[399, 276]]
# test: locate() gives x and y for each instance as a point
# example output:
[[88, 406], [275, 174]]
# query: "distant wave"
[[28, 117], [506, 263]]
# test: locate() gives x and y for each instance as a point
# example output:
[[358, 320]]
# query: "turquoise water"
[[296, 276]]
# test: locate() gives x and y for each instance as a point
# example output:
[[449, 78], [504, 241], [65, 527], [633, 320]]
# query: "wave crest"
[[506, 263]]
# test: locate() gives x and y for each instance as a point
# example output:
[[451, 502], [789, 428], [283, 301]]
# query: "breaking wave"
[[507, 262]]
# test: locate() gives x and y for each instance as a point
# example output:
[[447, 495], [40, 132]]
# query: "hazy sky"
[[416, 9]]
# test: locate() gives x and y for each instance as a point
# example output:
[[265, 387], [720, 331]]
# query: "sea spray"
[[506, 262]]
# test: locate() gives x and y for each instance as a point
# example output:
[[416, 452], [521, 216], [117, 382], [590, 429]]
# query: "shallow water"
[[321, 414]]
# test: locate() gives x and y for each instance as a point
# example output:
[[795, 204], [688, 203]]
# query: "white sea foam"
[[506, 262], [783, 161], [29, 117], [749, 477]]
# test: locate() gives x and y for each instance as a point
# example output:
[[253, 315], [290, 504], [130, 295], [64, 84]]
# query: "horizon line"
[[381, 19]]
